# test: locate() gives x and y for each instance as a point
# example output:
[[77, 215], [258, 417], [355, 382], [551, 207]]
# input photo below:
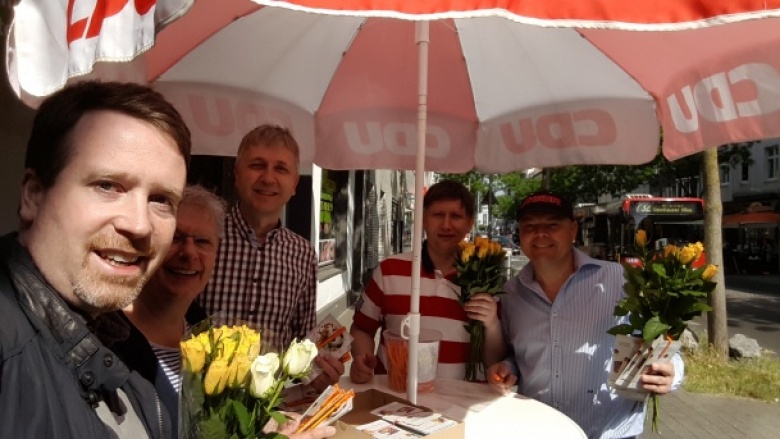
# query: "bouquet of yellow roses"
[[230, 389], [480, 269], [663, 293]]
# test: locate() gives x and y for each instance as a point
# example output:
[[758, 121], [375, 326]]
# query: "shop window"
[[772, 162], [725, 175], [333, 217]]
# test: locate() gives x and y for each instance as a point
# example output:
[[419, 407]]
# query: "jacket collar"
[[59, 325]]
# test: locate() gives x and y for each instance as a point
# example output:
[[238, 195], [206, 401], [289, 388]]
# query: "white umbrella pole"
[[422, 39]]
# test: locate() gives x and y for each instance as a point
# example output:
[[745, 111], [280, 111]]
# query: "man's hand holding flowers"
[[480, 275], [484, 308], [293, 422], [659, 380]]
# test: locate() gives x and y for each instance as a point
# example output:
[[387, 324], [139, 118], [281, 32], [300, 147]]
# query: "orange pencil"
[[325, 410], [328, 400], [331, 337], [337, 405]]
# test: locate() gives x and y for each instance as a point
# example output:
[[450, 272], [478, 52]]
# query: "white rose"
[[263, 371], [297, 360]]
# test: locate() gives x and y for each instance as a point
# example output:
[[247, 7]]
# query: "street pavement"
[[752, 309]]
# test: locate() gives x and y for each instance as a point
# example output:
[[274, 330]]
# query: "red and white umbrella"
[[505, 85], [555, 83]]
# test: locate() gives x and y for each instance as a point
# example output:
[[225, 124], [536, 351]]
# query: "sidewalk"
[[687, 415]]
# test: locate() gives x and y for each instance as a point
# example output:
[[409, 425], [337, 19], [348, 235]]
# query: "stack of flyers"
[[332, 404], [332, 339], [627, 378], [625, 348], [382, 429], [411, 418]]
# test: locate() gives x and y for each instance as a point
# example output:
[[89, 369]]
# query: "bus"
[[607, 230]]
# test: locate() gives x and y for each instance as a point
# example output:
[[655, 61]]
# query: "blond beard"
[[109, 293]]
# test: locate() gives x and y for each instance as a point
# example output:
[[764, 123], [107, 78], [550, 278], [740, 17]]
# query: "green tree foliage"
[[509, 189], [587, 183]]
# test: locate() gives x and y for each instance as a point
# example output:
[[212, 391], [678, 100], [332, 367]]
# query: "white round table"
[[486, 413]]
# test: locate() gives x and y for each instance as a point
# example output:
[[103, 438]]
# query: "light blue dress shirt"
[[562, 352]]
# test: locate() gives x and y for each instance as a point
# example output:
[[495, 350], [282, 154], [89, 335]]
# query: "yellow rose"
[[216, 377], [216, 334], [227, 346], [698, 249], [686, 255], [480, 241], [298, 358], [193, 355], [248, 343], [641, 238], [497, 249], [467, 252], [709, 271], [204, 340], [262, 371], [239, 369], [482, 250], [670, 250]]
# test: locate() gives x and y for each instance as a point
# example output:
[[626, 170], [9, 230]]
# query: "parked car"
[[507, 243]]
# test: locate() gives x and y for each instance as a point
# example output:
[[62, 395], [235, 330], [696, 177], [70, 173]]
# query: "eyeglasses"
[[202, 243]]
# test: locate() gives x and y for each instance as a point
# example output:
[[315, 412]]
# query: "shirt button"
[[88, 378], [108, 360]]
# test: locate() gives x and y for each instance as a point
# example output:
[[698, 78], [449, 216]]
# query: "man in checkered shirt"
[[265, 273]]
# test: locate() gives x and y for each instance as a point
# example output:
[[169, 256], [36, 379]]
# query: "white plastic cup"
[[397, 355]]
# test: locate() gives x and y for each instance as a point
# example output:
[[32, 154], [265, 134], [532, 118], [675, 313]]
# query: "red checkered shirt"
[[272, 285]]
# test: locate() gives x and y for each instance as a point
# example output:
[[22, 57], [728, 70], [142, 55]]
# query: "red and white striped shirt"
[[272, 285], [385, 302]]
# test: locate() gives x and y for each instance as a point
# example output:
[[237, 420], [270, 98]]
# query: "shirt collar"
[[581, 260], [427, 262], [248, 231]]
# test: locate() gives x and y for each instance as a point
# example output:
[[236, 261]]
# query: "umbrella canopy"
[[503, 94]]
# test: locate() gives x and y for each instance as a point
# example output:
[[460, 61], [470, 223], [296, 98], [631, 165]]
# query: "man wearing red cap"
[[555, 315]]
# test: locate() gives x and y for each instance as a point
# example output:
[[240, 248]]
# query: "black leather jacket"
[[53, 370]]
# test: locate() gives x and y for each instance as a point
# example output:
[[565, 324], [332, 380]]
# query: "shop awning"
[[751, 219]]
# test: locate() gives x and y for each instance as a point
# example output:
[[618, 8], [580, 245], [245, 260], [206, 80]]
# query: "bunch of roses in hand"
[[230, 389], [663, 293], [480, 269]]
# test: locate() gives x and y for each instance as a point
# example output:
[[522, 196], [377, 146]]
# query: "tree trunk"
[[717, 328], [546, 177]]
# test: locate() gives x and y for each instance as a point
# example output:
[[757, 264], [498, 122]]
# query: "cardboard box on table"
[[371, 399]]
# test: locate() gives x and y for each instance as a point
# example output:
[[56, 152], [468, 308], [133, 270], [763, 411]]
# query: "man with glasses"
[[555, 315]]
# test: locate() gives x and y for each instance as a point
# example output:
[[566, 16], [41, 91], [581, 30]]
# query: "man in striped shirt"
[[555, 314], [266, 274], [448, 215]]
